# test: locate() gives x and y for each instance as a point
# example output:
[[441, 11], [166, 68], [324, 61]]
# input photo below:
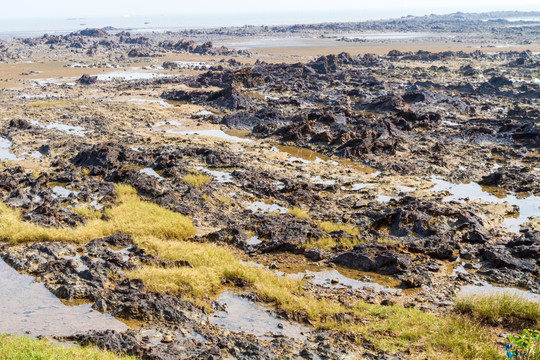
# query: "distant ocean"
[[14, 28], [36, 27]]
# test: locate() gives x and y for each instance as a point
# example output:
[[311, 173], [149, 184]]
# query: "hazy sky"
[[86, 8]]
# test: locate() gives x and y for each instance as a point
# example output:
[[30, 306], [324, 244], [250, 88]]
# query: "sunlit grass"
[[511, 308], [330, 243], [299, 213], [25, 348], [389, 328], [197, 180], [130, 215], [330, 226], [47, 103], [214, 268]]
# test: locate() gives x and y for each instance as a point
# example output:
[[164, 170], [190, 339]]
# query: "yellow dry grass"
[[197, 180], [130, 216], [330, 226], [299, 213], [390, 328]]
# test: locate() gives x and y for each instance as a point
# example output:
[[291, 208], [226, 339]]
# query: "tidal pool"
[[68, 129], [259, 206], [150, 172], [484, 288], [5, 150], [27, 307], [528, 206], [243, 315]]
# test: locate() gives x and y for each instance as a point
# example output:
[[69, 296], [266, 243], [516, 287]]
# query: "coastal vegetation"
[[25, 348], [129, 215]]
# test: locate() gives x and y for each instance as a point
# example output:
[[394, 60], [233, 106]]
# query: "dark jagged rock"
[[87, 79], [103, 157], [140, 52], [93, 33], [382, 258]]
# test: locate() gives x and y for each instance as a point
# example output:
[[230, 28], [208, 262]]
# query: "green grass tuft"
[[510, 309], [388, 328], [197, 180], [25, 348]]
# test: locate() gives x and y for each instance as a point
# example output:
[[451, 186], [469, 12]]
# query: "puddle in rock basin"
[[220, 176], [484, 288], [5, 152], [28, 307], [150, 172], [243, 315], [332, 278], [130, 75], [171, 127], [62, 192], [68, 129], [308, 156], [151, 101], [213, 133], [259, 206], [528, 207]]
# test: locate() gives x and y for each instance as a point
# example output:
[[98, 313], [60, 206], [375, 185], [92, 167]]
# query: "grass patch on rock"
[[507, 308], [47, 103], [330, 226], [389, 328], [25, 348], [130, 215], [330, 243], [197, 180], [299, 213]]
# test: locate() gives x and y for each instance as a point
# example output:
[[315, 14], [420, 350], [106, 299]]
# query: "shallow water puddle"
[[450, 123], [254, 240], [384, 198], [243, 315], [204, 113], [484, 288], [319, 180], [81, 266], [332, 278], [308, 156], [298, 41], [62, 192], [150, 172], [301, 154], [5, 150], [191, 65], [28, 307], [38, 96], [403, 188], [168, 123], [259, 206], [213, 133], [70, 81], [124, 252], [68, 129], [220, 176], [355, 187], [145, 101], [34, 154], [528, 207], [130, 75]]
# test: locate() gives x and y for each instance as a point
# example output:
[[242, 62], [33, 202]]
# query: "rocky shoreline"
[[396, 180]]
